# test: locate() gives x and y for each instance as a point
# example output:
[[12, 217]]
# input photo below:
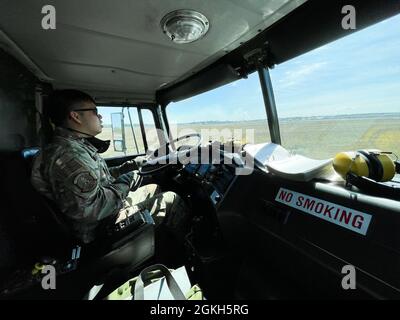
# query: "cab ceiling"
[[117, 51]]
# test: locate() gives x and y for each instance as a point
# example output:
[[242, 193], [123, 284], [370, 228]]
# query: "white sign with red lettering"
[[342, 216]]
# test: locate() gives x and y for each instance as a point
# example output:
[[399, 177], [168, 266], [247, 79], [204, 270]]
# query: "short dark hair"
[[61, 102]]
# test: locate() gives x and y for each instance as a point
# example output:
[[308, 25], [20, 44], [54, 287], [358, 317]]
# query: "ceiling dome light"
[[184, 26]]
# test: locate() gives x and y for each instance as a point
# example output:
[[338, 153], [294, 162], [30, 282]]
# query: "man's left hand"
[[131, 165], [128, 166]]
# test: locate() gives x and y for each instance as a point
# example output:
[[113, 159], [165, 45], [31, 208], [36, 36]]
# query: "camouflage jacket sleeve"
[[81, 190]]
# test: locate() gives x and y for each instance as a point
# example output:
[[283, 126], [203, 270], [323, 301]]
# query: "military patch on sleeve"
[[64, 167], [85, 181], [72, 165]]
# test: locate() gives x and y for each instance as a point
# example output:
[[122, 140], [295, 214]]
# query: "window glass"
[[153, 141], [134, 135], [343, 96], [234, 111], [130, 131]]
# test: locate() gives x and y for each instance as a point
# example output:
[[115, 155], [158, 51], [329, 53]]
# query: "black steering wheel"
[[155, 163]]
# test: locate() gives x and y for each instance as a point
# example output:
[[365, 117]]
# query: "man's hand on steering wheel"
[[132, 165], [156, 162]]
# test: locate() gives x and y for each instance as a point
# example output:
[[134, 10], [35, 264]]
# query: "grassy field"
[[314, 137]]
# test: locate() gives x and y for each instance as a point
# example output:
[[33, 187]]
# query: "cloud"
[[300, 74]]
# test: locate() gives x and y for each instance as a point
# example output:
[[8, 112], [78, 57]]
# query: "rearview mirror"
[[118, 131]]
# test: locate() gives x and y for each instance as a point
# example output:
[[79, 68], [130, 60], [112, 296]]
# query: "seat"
[[41, 230]]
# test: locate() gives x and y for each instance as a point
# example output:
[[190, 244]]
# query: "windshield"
[[233, 112]]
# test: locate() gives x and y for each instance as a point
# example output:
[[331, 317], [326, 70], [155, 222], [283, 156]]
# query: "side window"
[[343, 96], [153, 141], [131, 131]]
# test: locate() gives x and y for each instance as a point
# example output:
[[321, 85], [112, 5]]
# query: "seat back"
[[38, 228], [31, 218], [18, 208]]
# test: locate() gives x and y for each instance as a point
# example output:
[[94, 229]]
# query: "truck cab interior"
[[256, 231]]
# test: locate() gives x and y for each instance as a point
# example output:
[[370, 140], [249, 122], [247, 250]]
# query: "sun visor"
[[212, 78]]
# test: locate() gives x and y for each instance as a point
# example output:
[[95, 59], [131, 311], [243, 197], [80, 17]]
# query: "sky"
[[359, 73]]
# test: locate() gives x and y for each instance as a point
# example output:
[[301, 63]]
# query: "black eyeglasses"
[[95, 111]]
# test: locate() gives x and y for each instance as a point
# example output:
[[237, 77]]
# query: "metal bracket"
[[257, 58]]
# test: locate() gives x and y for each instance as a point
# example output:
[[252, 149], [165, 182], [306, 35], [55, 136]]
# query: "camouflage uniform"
[[70, 172]]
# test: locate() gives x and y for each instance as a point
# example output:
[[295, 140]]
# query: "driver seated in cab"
[[70, 172]]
